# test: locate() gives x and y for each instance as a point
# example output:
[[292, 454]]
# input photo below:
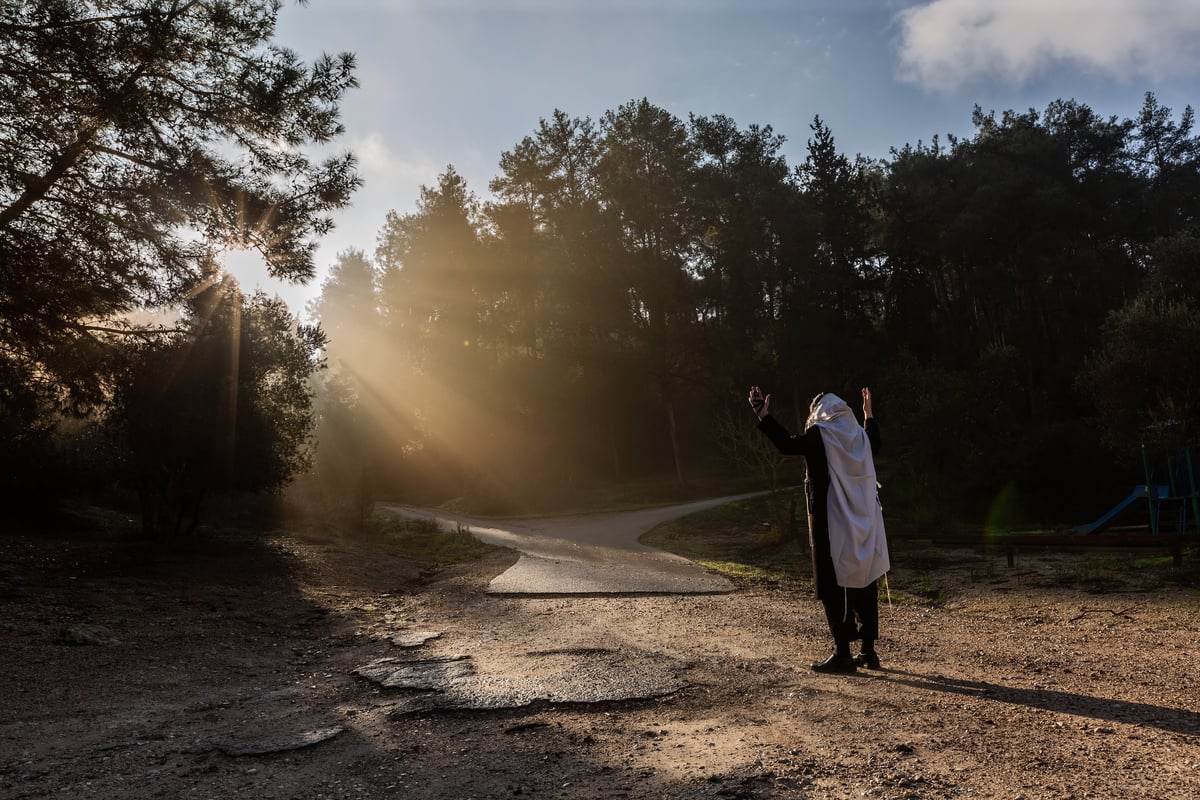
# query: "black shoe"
[[868, 660], [841, 665]]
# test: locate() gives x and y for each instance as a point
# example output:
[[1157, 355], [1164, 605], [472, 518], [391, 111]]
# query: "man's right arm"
[[787, 444]]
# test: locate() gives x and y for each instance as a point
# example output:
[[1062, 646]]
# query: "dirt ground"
[[226, 669]]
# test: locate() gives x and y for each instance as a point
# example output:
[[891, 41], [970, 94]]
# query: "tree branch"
[[36, 190], [52, 26], [141, 333], [70, 155], [1123, 613]]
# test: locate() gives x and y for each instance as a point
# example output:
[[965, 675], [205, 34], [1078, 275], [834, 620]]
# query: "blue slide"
[[1138, 493]]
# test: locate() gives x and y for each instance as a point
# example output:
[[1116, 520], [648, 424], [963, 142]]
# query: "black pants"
[[853, 614]]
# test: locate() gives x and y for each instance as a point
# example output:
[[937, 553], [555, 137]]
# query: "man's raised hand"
[[759, 403]]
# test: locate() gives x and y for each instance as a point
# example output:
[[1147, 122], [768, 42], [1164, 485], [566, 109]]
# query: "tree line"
[[1022, 301]]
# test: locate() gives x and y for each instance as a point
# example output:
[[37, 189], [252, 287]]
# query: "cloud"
[[944, 44], [377, 161]]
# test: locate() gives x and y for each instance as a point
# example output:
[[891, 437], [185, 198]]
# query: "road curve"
[[587, 553]]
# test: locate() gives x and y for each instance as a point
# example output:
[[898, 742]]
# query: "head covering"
[[857, 540]]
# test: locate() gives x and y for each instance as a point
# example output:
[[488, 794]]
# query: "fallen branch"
[[1123, 613]]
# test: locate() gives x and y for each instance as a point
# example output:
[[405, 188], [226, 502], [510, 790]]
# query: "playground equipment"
[[1169, 493]]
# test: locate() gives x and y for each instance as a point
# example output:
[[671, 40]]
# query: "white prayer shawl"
[[857, 540]]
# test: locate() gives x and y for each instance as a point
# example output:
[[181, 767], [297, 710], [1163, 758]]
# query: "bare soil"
[[225, 668]]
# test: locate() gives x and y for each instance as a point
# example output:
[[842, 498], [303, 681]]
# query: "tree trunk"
[[674, 442], [614, 450]]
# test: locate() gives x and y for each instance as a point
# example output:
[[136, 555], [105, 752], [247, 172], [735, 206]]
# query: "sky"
[[459, 82]]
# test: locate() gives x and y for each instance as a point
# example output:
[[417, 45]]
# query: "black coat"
[[816, 491]]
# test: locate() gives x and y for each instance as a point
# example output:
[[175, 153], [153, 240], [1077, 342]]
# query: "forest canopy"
[[601, 314]]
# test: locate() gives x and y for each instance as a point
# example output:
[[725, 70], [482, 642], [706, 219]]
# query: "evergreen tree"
[[139, 139], [223, 407]]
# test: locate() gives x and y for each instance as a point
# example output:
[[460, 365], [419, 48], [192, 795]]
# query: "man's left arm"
[[869, 422]]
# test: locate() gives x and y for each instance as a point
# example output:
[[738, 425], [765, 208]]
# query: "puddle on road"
[[577, 675]]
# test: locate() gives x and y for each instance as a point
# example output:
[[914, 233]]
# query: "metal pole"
[[1192, 483], [1151, 492]]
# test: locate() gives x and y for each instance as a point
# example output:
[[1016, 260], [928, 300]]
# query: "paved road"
[[588, 553]]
